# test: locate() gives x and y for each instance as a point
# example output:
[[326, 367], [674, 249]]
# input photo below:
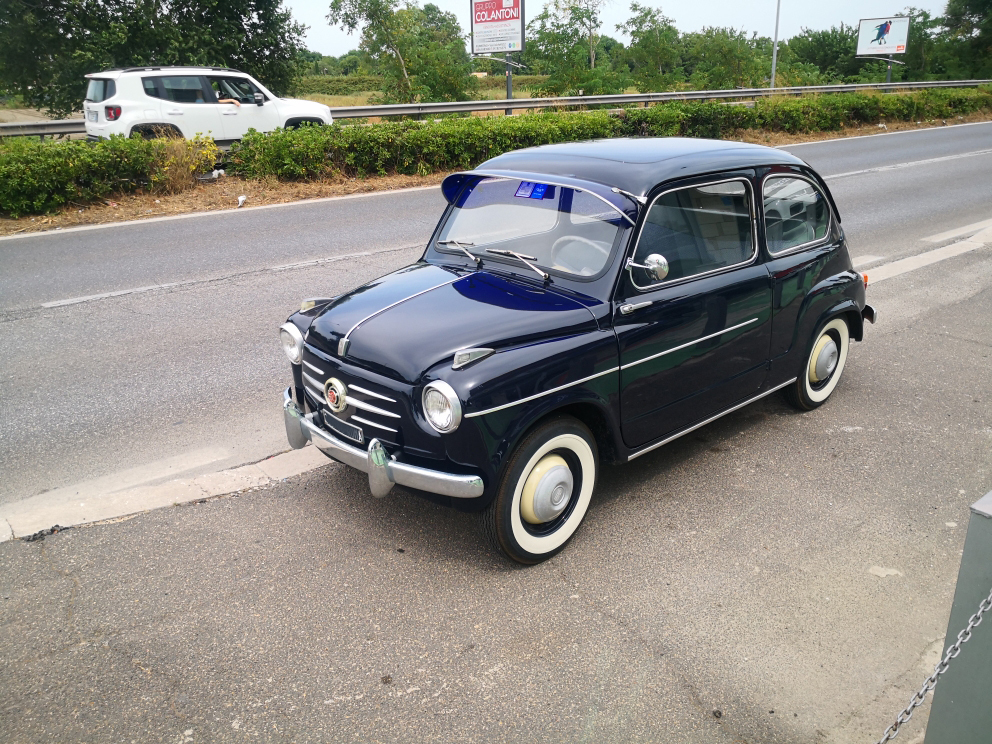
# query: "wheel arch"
[[295, 121], [151, 130]]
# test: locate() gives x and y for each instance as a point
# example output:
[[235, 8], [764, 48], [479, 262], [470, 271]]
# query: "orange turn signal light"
[[865, 276]]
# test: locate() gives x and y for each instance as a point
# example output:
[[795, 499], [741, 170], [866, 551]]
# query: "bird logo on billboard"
[[882, 30]]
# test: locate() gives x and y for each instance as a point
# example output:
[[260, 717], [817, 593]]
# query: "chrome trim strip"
[[809, 243], [319, 385], [686, 345], [318, 370], [398, 302], [541, 395], [299, 429], [372, 423], [369, 392], [754, 236], [319, 396], [368, 407], [603, 199], [710, 420]]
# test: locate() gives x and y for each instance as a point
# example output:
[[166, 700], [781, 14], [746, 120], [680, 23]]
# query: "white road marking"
[[190, 215], [897, 166], [190, 282], [958, 232], [884, 134], [905, 265]]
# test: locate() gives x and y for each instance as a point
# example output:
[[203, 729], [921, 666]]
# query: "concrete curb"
[[905, 265], [26, 517]]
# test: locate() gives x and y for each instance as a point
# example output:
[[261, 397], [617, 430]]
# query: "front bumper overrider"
[[382, 469]]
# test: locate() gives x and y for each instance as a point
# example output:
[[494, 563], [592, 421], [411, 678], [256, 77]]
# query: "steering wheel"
[[566, 239]]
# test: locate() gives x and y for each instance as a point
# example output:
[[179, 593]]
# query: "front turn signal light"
[[865, 277]]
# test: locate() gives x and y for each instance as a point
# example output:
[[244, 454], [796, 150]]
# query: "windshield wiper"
[[461, 246], [521, 257]]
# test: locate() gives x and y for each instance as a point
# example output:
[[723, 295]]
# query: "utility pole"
[[778, 9], [509, 83]]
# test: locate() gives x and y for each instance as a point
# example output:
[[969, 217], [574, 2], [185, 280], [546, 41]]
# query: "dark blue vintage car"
[[578, 304]]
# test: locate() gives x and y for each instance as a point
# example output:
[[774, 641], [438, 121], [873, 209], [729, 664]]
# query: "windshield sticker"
[[530, 190]]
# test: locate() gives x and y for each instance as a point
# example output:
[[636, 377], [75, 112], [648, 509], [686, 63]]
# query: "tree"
[[47, 46], [378, 21], [653, 55], [723, 58], [969, 22]]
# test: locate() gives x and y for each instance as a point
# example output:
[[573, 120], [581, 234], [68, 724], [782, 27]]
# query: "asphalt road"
[[790, 573], [185, 379]]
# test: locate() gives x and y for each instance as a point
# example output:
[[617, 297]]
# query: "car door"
[[188, 103], [693, 335], [237, 120]]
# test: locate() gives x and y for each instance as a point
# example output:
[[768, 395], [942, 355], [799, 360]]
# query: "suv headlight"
[[292, 342], [442, 407]]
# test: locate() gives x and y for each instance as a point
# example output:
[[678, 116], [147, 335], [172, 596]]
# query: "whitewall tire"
[[824, 365], [545, 491]]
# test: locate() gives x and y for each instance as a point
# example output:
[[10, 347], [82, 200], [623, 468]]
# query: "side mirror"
[[656, 265], [259, 99]]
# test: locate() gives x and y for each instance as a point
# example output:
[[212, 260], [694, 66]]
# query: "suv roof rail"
[[180, 67], [139, 69]]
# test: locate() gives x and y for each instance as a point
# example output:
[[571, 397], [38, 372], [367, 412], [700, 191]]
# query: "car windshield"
[[561, 229]]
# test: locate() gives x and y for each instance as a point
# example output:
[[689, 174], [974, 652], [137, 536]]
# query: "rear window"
[[150, 88], [100, 90]]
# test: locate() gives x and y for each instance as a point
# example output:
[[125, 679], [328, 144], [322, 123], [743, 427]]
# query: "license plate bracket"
[[91, 115]]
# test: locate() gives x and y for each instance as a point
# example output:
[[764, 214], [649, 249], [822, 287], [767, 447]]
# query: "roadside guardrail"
[[77, 126]]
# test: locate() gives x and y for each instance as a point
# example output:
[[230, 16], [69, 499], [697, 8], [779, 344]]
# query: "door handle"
[[175, 112], [629, 308], [230, 113]]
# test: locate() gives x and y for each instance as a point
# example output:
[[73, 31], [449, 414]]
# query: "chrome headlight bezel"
[[454, 404], [297, 338]]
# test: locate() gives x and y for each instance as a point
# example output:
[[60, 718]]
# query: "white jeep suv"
[[212, 101]]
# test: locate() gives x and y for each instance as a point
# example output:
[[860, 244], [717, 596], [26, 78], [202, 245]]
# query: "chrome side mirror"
[[656, 265]]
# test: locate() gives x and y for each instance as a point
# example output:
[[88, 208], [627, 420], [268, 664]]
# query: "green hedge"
[[42, 176], [449, 144], [336, 85]]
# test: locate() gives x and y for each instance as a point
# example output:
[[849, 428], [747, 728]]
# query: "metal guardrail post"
[[961, 712]]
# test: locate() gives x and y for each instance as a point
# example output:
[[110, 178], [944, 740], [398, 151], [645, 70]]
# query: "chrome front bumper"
[[383, 471]]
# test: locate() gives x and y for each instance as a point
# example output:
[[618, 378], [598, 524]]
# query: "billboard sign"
[[882, 36], [497, 26]]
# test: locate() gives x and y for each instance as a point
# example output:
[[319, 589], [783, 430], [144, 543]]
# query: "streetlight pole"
[[778, 10]]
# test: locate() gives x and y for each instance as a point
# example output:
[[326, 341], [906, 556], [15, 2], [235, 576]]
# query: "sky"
[[688, 15]]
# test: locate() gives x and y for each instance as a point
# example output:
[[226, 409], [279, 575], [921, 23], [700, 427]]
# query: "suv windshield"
[[565, 230]]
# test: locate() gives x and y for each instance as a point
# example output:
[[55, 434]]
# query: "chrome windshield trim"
[[372, 423], [541, 395], [710, 420], [369, 392], [318, 370], [398, 302], [370, 408], [690, 343], [603, 199]]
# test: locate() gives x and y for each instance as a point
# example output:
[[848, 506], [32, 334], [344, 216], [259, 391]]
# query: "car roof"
[[116, 74], [637, 164]]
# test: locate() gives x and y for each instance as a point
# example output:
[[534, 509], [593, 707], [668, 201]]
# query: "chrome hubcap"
[[824, 360], [546, 491]]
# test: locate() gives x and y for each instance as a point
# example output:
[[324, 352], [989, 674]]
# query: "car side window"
[[796, 213], [150, 88], [696, 229], [238, 89], [185, 89]]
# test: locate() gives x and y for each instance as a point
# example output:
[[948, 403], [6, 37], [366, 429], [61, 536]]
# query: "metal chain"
[[917, 700]]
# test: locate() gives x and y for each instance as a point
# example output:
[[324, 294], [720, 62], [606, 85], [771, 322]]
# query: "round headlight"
[[441, 407], [292, 342]]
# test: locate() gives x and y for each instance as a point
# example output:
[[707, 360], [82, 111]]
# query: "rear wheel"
[[823, 368], [545, 491]]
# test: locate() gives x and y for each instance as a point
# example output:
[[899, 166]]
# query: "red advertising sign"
[[497, 26]]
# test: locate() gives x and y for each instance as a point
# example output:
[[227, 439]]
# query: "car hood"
[[403, 324]]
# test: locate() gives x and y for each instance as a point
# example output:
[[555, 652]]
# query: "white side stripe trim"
[[690, 343], [541, 395]]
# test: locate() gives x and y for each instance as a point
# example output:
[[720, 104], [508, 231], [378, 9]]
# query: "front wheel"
[[823, 367], [545, 491]]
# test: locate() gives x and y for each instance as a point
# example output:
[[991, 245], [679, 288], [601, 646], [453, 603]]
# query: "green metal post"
[[962, 700]]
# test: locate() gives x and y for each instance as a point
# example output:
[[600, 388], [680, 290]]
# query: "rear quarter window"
[[100, 90]]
